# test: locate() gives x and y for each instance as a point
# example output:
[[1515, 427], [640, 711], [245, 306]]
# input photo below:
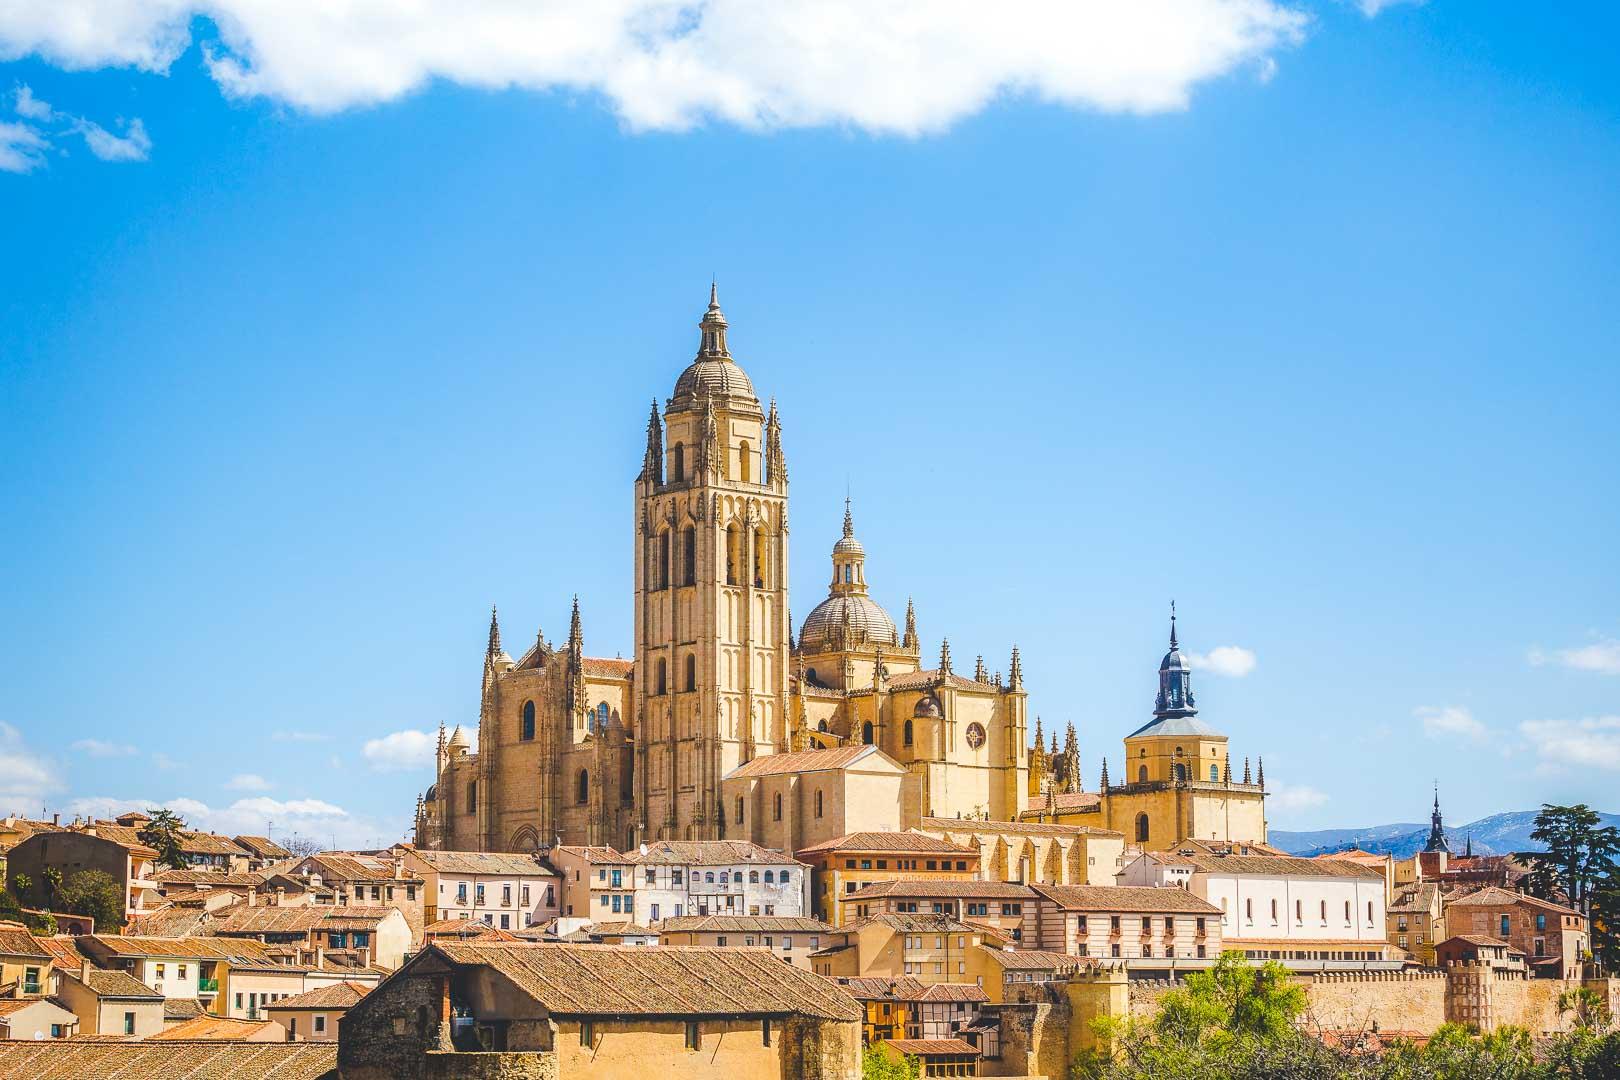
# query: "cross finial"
[[1172, 624], [849, 522]]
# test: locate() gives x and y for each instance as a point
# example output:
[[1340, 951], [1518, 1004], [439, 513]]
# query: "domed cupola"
[[713, 373], [1175, 680], [848, 617]]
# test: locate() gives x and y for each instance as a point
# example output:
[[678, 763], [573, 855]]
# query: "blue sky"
[[315, 342]]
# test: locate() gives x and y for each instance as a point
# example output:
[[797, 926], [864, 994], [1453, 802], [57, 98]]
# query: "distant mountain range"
[[1499, 834]]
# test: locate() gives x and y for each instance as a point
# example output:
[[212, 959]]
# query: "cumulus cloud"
[[1297, 797], [401, 750], [247, 782], [1590, 743], [889, 66], [25, 777], [31, 107], [1443, 721], [1233, 661], [133, 145], [1601, 656], [99, 748]]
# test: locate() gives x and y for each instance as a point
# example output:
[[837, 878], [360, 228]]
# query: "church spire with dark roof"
[[1437, 828]]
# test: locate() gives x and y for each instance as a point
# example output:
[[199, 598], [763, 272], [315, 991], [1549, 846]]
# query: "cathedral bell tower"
[[712, 632]]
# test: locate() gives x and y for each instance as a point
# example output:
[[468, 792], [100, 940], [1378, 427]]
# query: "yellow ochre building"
[[723, 726]]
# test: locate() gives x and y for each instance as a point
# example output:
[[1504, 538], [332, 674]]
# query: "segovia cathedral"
[[725, 727]]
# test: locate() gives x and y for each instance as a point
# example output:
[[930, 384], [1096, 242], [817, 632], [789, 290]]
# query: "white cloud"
[[401, 750], [164, 761], [247, 782], [1590, 743], [134, 145], [1372, 8], [22, 149], [314, 818], [25, 777], [1233, 661], [301, 736], [32, 107], [889, 66], [1297, 797], [1440, 721], [1602, 656], [99, 748]]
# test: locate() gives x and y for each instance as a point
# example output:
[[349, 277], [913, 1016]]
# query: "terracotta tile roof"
[[11, 1005], [64, 951], [1366, 858], [297, 920], [203, 948], [337, 996], [908, 841], [18, 942], [212, 1028], [1478, 939], [263, 847], [1033, 960], [708, 853], [484, 862], [468, 928], [953, 992], [594, 853], [620, 930], [203, 843], [168, 921], [898, 988], [804, 761], [177, 1009], [1019, 828], [1073, 802], [919, 680], [638, 981], [925, 1047], [123, 835], [937, 888], [743, 924], [343, 866], [206, 877], [1491, 896], [1125, 898], [610, 669], [1279, 865], [909, 924], [111, 983]]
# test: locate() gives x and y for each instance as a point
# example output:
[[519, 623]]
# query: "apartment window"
[[1080, 924], [410, 892], [238, 1003], [1503, 934], [1147, 949], [1324, 911], [1541, 924], [1147, 924], [525, 894], [31, 979], [1113, 923], [1200, 952], [1113, 950], [765, 1032], [720, 941], [1347, 911], [676, 876], [1248, 909], [618, 879], [1273, 910], [182, 970], [129, 1019], [160, 967], [461, 892], [587, 1033], [320, 1024], [479, 891], [694, 1035]]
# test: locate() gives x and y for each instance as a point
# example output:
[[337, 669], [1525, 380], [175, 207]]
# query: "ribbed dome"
[[848, 545], [865, 615], [722, 378], [1174, 661]]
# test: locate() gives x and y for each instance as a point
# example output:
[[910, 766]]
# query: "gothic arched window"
[[866, 733], [472, 797], [818, 804], [744, 462], [1141, 774], [776, 810], [691, 673], [733, 553], [583, 795], [527, 732], [1214, 774], [908, 733], [739, 809], [602, 718], [1180, 771], [679, 468], [662, 685], [759, 559], [753, 877], [1141, 828], [689, 556], [663, 560]]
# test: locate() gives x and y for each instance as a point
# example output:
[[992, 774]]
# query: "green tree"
[[94, 893], [878, 1064], [21, 886], [163, 833], [53, 886]]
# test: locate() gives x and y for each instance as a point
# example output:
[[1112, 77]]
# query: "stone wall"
[[389, 1032], [820, 1049], [1034, 1040], [453, 1065], [1392, 1000]]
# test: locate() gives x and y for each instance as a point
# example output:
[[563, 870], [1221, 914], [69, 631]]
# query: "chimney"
[[320, 954], [84, 970], [281, 895], [56, 819], [399, 867], [253, 898]]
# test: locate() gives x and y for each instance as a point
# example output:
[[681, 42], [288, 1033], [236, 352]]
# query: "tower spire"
[[775, 459], [1015, 676], [910, 640], [1104, 787], [714, 328], [494, 646], [1437, 828], [945, 656], [979, 674], [849, 520], [1173, 624], [652, 465], [1247, 779], [1071, 762], [1260, 771]]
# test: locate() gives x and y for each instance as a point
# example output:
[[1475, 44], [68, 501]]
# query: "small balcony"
[[208, 986]]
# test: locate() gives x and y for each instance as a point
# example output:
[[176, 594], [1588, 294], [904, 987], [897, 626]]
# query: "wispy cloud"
[[400, 750], [1589, 743], [247, 782], [1233, 661], [25, 777], [315, 818], [887, 66], [1372, 8], [1449, 721], [98, 748], [1601, 656], [23, 145], [1297, 797]]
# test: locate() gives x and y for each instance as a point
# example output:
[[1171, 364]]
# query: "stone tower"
[[712, 632]]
